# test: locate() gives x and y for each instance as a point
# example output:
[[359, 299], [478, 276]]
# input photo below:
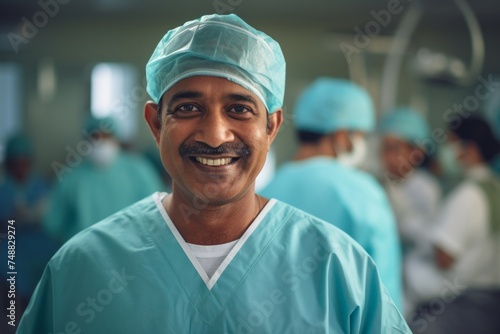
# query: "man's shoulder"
[[308, 227]]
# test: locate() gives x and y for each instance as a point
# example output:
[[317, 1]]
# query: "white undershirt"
[[211, 257], [232, 249]]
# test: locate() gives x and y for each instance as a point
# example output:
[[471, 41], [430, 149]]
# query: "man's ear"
[[275, 121], [151, 117]]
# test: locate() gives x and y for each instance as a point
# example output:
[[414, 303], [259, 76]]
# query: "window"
[[113, 94]]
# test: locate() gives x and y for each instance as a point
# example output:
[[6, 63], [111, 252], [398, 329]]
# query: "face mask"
[[447, 157], [357, 155], [104, 153]]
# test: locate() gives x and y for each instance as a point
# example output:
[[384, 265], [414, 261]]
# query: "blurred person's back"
[[106, 182], [332, 117]]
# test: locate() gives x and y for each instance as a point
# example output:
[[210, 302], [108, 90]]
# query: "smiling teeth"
[[214, 162]]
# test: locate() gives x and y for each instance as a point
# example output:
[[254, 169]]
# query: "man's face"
[[213, 138], [397, 156]]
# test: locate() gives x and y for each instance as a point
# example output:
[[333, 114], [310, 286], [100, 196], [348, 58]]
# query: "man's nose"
[[214, 129]]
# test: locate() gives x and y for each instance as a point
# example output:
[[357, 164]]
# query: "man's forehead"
[[208, 86]]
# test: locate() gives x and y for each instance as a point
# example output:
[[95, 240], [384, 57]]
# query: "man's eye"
[[187, 108], [239, 109]]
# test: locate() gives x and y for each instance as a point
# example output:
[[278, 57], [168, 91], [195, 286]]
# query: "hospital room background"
[[64, 63]]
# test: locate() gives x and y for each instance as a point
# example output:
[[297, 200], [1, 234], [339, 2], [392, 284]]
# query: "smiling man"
[[222, 133], [212, 256]]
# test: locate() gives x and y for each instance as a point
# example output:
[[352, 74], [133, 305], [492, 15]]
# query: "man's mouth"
[[214, 162], [221, 156]]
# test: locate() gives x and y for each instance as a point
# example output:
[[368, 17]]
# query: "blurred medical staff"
[[23, 192], [466, 241], [413, 192], [104, 183], [332, 116]]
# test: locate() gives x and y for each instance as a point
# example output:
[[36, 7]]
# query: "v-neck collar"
[[209, 297], [210, 282]]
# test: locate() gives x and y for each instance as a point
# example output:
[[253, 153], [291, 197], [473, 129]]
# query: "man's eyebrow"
[[185, 94], [242, 97]]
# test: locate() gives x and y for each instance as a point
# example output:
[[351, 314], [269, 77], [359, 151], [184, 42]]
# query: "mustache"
[[198, 148]]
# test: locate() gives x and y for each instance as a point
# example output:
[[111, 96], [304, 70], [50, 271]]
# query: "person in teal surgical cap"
[[23, 192], [105, 182], [331, 117], [414, 193], [212, 256]]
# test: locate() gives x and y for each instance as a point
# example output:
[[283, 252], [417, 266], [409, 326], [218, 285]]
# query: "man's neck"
[[204, 223]]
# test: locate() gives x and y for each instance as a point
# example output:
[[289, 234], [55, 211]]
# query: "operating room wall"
[[57, 123]]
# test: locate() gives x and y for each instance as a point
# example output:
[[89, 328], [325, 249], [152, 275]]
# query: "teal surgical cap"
[[18, 146], [103, 125], [405, 123], [220, 46], [329, 105]]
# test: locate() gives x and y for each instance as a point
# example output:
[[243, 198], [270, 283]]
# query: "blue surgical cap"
[[220, 46], [405, 123], [18, 146], [329, 105]]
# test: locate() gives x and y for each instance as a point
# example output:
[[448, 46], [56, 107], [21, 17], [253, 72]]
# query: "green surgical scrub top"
[[133, 273]]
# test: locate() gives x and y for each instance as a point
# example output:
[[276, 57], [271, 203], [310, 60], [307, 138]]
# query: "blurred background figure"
[[332, 117], [413, 191], [23, 192], [106, 181], [23, 197], [466, 242]]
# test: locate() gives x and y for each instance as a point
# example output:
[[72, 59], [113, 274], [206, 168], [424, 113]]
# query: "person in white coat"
[[466, 243]]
